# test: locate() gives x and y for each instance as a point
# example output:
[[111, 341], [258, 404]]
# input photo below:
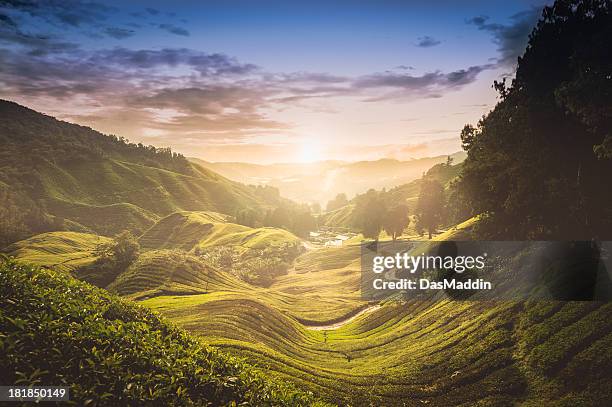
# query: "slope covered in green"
[[55, 329], [60, 176], [398, 353], [160, 272], [407, 353], [346, 217], [200, 230], [62, 251]]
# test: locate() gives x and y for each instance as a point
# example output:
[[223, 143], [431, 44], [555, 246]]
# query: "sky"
[[266, 81]]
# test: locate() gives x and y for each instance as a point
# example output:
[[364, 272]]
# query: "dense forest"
[[539, 164]]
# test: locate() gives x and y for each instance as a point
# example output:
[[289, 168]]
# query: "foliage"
[[255, 266], [370, 213], [112, 259], [431, 207], [21, 217], [396, 220], [293, 217], [54, 329], [536, 162], [338, 202]]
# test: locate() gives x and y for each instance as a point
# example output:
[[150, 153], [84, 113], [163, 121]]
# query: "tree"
[[247, 217], [303, 223], [535, 163], [126, 248], [468, 136], [121, 252], [338, 202], [369, 214], [396, 220], [278, 218], [113, 258], [430, 207]]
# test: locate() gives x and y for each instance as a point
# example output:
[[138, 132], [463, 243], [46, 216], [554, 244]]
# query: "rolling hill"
[[60, 176], [302, 329], [410, 352], [110, 352]]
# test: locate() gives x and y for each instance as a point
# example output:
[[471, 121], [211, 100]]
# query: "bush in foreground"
[[58, 331]]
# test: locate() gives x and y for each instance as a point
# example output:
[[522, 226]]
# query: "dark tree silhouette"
[[536, 163], [430, 207], [396, 220]]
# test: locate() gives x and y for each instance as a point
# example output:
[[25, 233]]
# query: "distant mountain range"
[[321, 181]]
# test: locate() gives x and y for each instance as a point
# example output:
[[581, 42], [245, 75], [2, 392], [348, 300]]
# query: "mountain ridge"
[[57, 175]]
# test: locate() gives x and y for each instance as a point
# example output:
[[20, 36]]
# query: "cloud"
[[175, 94], [70, 13], [173, 29], [512, 38], [427, 41], [203, 63], [429, 85], [7, 21], [119, 33]]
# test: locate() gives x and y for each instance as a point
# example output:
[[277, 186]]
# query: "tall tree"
[[396, 220], [369, 214], [430, 207]]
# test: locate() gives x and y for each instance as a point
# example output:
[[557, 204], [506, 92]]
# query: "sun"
[[309, 152]]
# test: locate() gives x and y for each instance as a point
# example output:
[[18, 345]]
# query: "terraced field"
[[404, 352], [63, 251], [190, 230], [414, 353]]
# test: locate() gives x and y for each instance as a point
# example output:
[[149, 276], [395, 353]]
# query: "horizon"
[[268, 83]]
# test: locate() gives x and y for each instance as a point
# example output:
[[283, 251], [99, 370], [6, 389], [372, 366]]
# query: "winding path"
[[342, 322]]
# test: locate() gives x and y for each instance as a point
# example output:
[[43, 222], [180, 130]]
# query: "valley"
[[310, 326], [160, 232], [364, 204]]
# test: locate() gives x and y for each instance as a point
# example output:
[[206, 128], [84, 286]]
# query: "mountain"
[[56, 175], [321, 181]]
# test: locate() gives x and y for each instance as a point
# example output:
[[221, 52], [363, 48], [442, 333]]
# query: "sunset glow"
[[238, 81]]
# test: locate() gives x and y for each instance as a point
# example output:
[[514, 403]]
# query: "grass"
[[409, 352], [133, 194], [57, 330], [160, 272], [63, 251], [198, 230]]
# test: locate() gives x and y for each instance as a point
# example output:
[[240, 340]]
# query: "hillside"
[[321, 181], [399, 353], [60, 176], [408, 194], [199, 230], [112, 352], [407, 352]]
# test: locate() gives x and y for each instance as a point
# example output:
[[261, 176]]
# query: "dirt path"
[[342, 322]]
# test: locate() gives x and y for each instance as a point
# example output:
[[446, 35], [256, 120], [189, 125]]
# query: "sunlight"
[[310, 151]]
